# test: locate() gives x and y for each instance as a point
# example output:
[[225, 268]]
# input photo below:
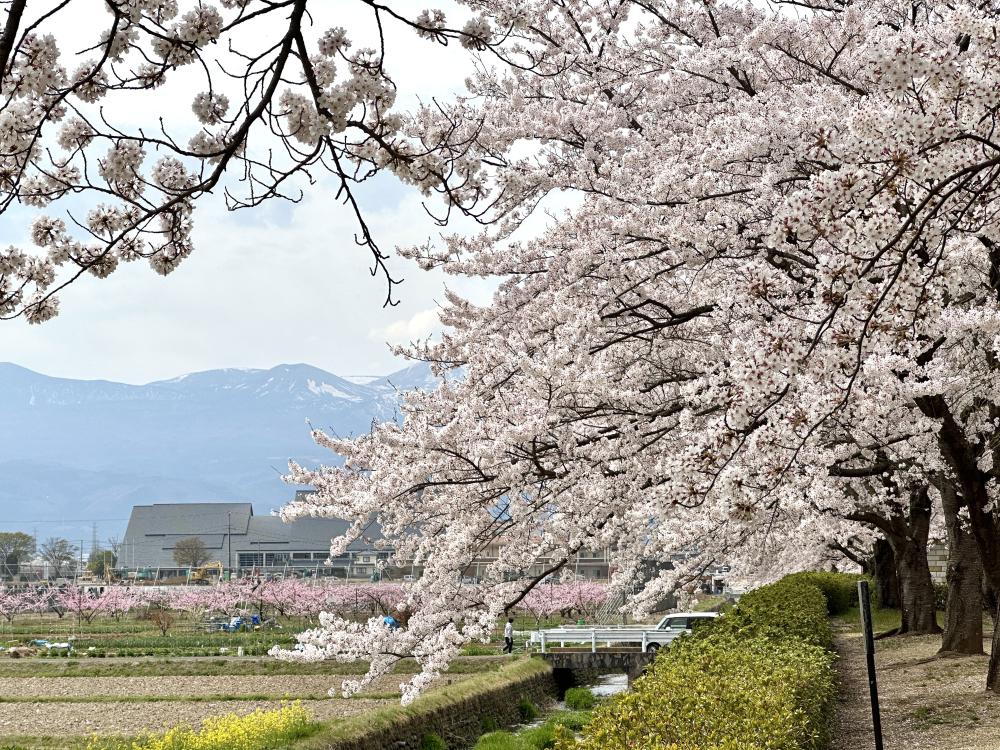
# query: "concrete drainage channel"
[[602, 686]]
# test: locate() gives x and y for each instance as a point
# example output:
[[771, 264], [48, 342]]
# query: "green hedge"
[[840, 589], [761, 679], [788, 608]]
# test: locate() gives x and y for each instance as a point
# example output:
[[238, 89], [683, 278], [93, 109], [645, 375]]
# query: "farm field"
[[63, 711], [124, 678]]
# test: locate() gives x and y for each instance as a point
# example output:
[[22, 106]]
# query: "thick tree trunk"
[[962, 456], [963, 628], [886, 581], [906, 529], [916, 590], [993, 673]]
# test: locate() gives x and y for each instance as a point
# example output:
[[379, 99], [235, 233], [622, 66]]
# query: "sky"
[[283, 284]]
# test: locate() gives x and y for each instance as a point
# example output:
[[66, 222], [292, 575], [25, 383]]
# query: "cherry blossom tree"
[[118, 601], [14, 602], [565, 599], [771, 311], [276, 95], [78, 601]]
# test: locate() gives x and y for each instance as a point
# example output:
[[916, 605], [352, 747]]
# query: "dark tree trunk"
[[990, 599], [963, 628], [962, 457], [916, 590], [909, 544], [906, 529], [886, 581], [993, 673]]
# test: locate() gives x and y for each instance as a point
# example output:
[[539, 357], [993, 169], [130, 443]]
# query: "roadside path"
[[928, 702], [852, 726]]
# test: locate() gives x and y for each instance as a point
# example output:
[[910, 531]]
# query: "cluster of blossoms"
[[275, 102], [768, 324]]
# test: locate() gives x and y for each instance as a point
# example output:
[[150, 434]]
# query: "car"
[[409, 578], [686, 621]]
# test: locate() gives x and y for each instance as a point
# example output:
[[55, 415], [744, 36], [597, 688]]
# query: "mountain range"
[[77, 451]]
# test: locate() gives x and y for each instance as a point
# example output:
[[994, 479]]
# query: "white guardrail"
[[644, 636], [650, 638]]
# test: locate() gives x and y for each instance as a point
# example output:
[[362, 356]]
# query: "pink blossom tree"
[[81, 603], [767, 321]]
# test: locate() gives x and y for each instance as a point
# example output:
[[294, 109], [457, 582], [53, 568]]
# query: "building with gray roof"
[[241, 541]]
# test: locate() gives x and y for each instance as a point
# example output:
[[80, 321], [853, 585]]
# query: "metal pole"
[[864, 599], [229, 543]]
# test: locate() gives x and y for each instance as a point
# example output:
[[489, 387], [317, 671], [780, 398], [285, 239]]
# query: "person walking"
[[508, 636]]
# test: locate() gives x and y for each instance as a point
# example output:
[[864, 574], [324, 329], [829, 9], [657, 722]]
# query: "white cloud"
[[422, 325], [285, 283]]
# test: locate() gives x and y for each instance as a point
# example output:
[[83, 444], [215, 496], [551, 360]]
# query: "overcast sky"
[[283, 284]]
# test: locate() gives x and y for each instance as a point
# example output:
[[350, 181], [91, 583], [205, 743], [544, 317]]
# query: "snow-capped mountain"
[[76, 449]]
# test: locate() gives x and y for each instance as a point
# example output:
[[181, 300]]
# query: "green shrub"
[[840, 589], [572, 720], [527, 710], [580, 699], [488, 724], [788, 608], [546, 736], [541, 737], [432, 742], [502, 741], [762, 678]]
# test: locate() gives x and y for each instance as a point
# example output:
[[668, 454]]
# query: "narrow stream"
[[610, 684], [606, 686]]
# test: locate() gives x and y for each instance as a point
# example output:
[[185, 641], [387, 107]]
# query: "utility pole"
[[229, 543]]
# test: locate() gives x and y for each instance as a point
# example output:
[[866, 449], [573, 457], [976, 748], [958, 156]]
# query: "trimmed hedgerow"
[[761, 679], [786, 609], [840, 589]]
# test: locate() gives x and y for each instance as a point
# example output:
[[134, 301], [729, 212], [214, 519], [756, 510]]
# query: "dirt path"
[[852, 724], [927, 702]]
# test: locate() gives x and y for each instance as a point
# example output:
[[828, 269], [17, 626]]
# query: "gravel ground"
[[927, 702], [84, 687], [65, 719]]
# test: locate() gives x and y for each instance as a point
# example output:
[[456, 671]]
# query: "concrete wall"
[[937, 558], [459, 723]]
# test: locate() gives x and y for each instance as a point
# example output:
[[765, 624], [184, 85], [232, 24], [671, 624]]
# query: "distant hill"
[[76, 450]]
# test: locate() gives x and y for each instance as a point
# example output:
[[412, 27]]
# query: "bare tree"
[[115, 545], [190, 552], [60, 554]]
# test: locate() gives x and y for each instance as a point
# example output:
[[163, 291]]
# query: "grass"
[[580, 698], [541, 737], [882, 620], [44, 743]]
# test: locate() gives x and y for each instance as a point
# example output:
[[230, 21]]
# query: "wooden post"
[[864, 600]]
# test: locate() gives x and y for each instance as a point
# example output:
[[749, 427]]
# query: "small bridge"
[[576, 666]]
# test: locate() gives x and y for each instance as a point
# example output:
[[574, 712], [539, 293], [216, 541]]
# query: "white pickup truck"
[[649, 638]]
